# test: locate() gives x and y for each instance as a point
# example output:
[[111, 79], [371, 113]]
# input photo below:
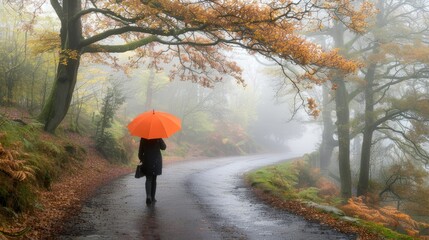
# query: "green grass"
[[277, 180], [385, 232]]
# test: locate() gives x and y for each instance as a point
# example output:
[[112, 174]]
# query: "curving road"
[[201, 199]]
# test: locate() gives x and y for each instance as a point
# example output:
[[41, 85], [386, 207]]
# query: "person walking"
[[151, 158]]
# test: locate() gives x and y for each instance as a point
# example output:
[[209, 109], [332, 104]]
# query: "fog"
[[228, 109]]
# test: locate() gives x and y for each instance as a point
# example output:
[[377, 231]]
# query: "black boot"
[[148, 186], [153, 190]]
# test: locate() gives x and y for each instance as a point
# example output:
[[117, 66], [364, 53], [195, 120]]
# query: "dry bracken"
[[12, 166]]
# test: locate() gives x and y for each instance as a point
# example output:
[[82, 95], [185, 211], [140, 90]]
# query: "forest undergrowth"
[[300, 189], [45, 178]]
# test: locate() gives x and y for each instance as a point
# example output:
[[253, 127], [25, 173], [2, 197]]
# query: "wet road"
[[204, 199]]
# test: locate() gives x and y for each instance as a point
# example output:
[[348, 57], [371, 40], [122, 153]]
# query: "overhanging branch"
[[94, 48], [126, 29], [106, 12]]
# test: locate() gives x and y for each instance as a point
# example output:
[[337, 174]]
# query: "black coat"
[[150, 155]]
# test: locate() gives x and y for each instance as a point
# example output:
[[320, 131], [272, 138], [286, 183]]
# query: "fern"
[[12, 167], [387, 216]]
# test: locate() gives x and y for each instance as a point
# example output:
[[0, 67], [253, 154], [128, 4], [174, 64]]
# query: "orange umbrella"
[[154, 124]]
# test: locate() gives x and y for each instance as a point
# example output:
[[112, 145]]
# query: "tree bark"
[[368, 132], [363, 184], [343, 122], [59, 100], [342, 110]]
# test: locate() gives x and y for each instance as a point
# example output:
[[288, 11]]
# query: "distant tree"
[[341, 36], [394, 62], [105, 141], [392, 52], [328, 142], [88, 93], [404, 182], [24, 66], [13, 55], [197, 107], [110, 104], [338, 32]]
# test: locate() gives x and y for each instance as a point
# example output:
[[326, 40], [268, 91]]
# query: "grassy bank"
[[44, 178], [31, 160], [297, 188]]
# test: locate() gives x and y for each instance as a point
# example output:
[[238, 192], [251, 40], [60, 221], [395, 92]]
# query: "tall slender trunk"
[[44, 88], [342, 110], [363, 184], [10, 87], [343, 123], [104, 118], [328, 143], [368, 132], [79, 109]]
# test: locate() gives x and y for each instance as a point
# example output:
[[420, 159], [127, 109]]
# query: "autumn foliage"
[[14, 178], [199, 33], [309, 177], [11, 166], [369, 209], [232, 140], [387, 216]]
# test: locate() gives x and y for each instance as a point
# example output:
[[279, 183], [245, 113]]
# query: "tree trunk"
[[44, 88], [59, 100], [328, 143], [368, 132], [343, 122], [362, 188], [342, 109], [104, 117], [79, 109], [10, 87]]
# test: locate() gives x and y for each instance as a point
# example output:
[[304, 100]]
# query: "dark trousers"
[[150, 186]]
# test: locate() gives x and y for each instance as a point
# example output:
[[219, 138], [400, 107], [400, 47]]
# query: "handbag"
[[139, 171]]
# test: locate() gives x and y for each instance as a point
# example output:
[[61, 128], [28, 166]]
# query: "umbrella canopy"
[[154, 124]]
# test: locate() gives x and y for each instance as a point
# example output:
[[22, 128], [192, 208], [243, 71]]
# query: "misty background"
[[228, 118]]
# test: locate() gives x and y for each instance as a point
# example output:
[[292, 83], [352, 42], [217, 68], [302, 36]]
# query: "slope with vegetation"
[[44, 178], [297, 187]]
